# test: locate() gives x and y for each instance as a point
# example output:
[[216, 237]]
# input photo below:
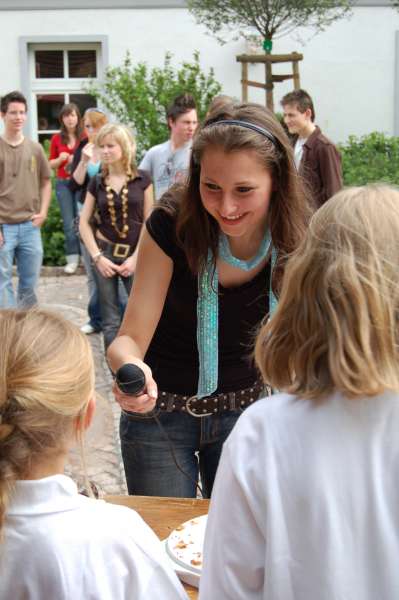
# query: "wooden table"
[[164, 514]]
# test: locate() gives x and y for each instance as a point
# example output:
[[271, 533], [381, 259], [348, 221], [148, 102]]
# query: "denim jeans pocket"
[[141, 416]]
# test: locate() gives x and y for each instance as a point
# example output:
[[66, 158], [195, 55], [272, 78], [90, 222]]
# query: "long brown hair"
[[336, 325], [289, 210], [67, 109]]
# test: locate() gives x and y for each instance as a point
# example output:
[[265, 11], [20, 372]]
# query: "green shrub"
[[53, 234], [370, 158], [139, 96], [46, 147], [52, 230]]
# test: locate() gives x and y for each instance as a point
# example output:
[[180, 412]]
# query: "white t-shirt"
[[298, 150], [306, 503], [166, 166], [60, 545]]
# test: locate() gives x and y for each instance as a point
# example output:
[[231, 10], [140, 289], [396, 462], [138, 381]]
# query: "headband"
[[247, 125], [265, 132], [95, 109]]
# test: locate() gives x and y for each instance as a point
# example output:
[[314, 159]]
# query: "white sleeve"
[[146, 163], [163, 584], [234, 551], [147, 573]]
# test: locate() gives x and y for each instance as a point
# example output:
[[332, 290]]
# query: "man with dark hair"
[[168, 163], [316, 157], [25, 194]]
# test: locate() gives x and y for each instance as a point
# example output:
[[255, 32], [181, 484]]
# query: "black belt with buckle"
[[115, 250], [219, 403]]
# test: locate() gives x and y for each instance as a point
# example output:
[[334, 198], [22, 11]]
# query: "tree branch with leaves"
[[270, 18]]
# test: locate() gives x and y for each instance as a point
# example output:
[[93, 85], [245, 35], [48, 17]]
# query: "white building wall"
[[349, 69]]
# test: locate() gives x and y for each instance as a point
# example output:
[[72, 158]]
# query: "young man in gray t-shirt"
[[168, 163]]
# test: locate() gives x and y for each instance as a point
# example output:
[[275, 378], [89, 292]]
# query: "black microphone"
[[130, 379]]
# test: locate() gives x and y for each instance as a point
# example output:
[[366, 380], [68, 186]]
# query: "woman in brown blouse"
[[120, 198]]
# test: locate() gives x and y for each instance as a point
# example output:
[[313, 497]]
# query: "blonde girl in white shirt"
[[55, 543], [306, 500]]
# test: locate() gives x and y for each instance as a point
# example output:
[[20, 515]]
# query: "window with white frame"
[[59, 74]]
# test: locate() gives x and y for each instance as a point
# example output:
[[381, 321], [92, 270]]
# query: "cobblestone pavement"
[[68, 295]]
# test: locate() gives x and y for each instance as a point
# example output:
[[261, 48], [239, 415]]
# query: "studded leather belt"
[[219, 403]]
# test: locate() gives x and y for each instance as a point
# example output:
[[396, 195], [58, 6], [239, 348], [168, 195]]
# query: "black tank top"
[[172, 354]]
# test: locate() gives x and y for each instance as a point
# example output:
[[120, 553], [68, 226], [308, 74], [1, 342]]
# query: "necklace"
[[208, 308], [245, 265], [111, 208]]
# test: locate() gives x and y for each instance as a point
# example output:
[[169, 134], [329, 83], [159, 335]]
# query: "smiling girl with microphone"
[[209, 269]]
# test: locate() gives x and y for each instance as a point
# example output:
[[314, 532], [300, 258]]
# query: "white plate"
[[184, 575], [184, 548]]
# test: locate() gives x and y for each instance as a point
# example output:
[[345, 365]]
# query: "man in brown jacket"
[[316, 157]]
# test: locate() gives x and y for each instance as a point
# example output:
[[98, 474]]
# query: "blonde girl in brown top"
[[121, 197]]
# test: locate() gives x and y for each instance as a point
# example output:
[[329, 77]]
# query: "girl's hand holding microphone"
[[134, 388]]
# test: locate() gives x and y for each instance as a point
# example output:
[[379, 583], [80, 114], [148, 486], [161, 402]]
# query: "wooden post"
[[269, 85], [295, 71], [244, 81], [268, 60]]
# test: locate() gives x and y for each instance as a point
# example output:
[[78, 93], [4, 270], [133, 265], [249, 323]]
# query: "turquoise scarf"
[[208, 308]]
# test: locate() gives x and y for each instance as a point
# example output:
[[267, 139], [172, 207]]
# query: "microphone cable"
[[172, 451]]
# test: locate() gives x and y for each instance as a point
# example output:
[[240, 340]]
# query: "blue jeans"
[[22, 243], [68, 202], [93, 307], [110, 303], [197, 443]]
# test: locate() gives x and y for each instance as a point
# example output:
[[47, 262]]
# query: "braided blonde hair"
[[46, 382]]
